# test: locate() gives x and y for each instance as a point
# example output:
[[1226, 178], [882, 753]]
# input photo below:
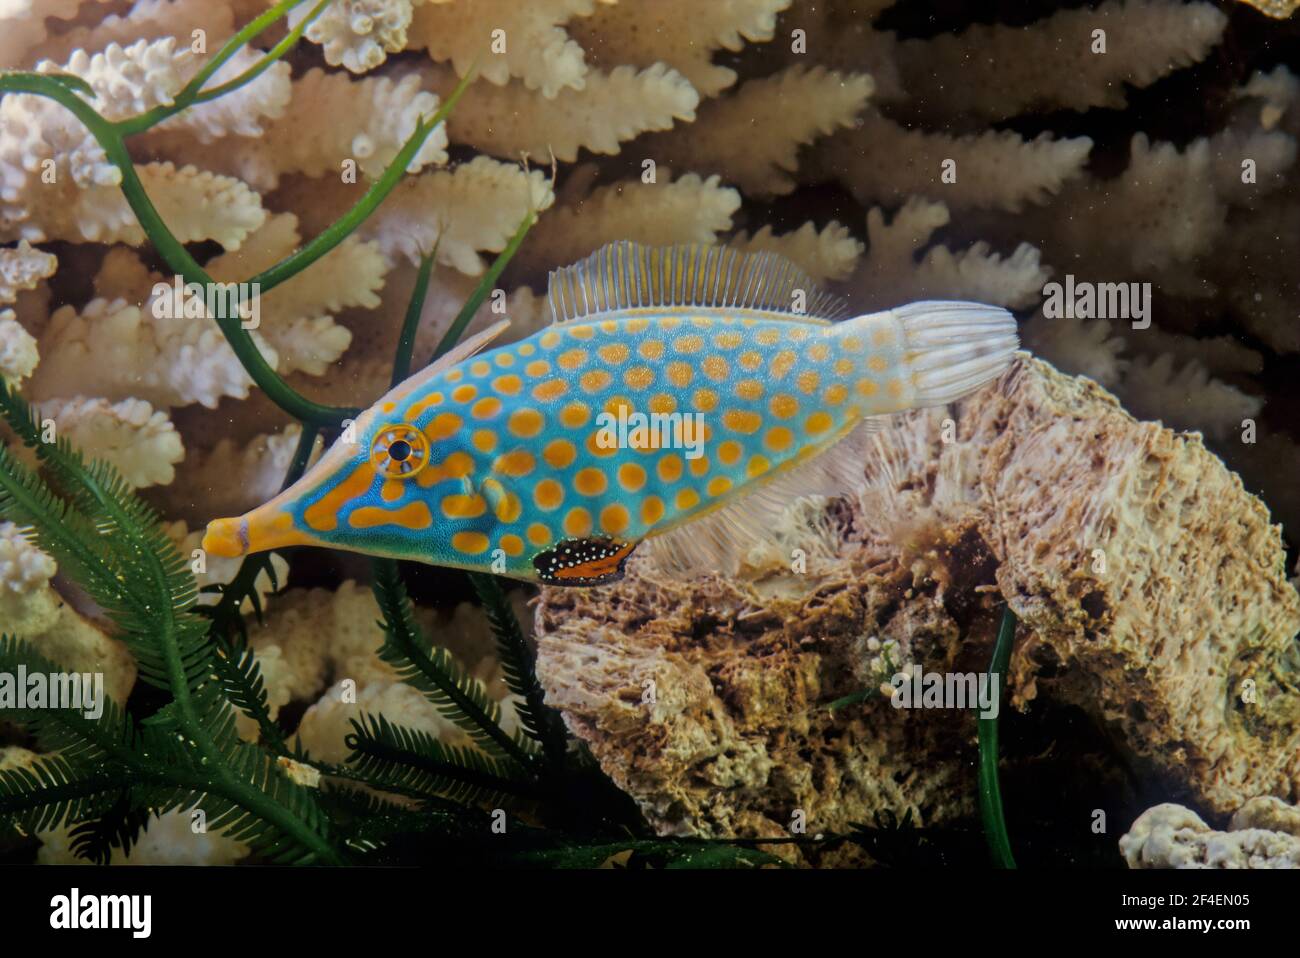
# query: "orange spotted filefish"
[[683, 396]]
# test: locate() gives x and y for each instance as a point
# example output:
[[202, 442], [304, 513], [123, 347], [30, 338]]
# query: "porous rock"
[[1149, 586]]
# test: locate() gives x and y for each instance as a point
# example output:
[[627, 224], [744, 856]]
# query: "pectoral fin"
[[591, 561]]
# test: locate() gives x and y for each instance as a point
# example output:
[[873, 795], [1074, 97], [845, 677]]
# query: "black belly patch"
[[591, 561]]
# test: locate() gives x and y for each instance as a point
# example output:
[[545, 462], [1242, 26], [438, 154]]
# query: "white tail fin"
[[961, 346]]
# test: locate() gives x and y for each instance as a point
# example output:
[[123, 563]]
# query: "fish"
[[682, 397]]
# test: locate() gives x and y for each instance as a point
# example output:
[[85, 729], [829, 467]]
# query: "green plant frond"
[[54, 790], [99, 491], [110, 542], [386, 754], [57, 528], [517, 665], [370, 823], [435, 672], [118, 828], [240, 678], [78, 739], [165, 732], [267, 811]]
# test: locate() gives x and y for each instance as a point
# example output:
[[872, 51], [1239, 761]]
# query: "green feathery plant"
[[177, 748]]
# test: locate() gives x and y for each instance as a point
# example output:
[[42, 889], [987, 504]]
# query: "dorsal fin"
[[627, 275], [467, 347], [458, 353]]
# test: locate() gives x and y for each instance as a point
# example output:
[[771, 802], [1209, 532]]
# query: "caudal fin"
[[960, 346]]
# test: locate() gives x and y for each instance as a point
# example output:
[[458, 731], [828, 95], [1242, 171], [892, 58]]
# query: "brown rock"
[[706, 699]]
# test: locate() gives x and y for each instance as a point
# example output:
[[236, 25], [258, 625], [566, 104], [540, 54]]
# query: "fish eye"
[[399, 452]]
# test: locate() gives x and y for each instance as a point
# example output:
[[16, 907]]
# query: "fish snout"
[[227, 538], [266, 527]]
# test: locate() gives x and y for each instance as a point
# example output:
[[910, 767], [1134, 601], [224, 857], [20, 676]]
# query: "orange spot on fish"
[[323, 515], [560, 453], [577, 523], [614, 518], [742, 420], [471, 543], [526, 423], [548, 494], [413, 515], [575, 415], [590, 482], [652, 510], [444, 425], [518, 462]]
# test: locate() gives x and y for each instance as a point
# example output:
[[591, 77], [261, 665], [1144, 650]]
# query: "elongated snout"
[[266, 527]]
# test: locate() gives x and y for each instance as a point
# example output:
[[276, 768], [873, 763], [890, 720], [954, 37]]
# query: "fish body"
[[638, 416]]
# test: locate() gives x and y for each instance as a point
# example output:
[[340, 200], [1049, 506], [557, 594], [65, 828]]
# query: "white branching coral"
[[368, 121], [24, 571], [1186, 397], [168, 839], [358, 34], [686, 210], [830, 253], [882, 161], [611, 108], [32, 610], [191, 22], [23, 26], [128, 80], [1057, 63], [242, 112], [684, 34], [1223, 355], [793, 107], [22, 267], [505, 40], [156, 352], [448, 290], [477, 206], [296, 317], [1263, 833], [890, 273], [137, 439], [1084, 347], [19, 353], [321, 634]]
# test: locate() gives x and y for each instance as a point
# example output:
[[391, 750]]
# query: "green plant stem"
[[191, 93], [341, 228], [521, 668], [457, 327], [268, 60], [243, 584], [173, 252], [995, 826], [179, 260], [468, 776], [406, 341], [415, 647], [220, 780]]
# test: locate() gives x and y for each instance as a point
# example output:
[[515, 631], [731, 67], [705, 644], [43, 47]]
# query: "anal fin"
[[721, 540]]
